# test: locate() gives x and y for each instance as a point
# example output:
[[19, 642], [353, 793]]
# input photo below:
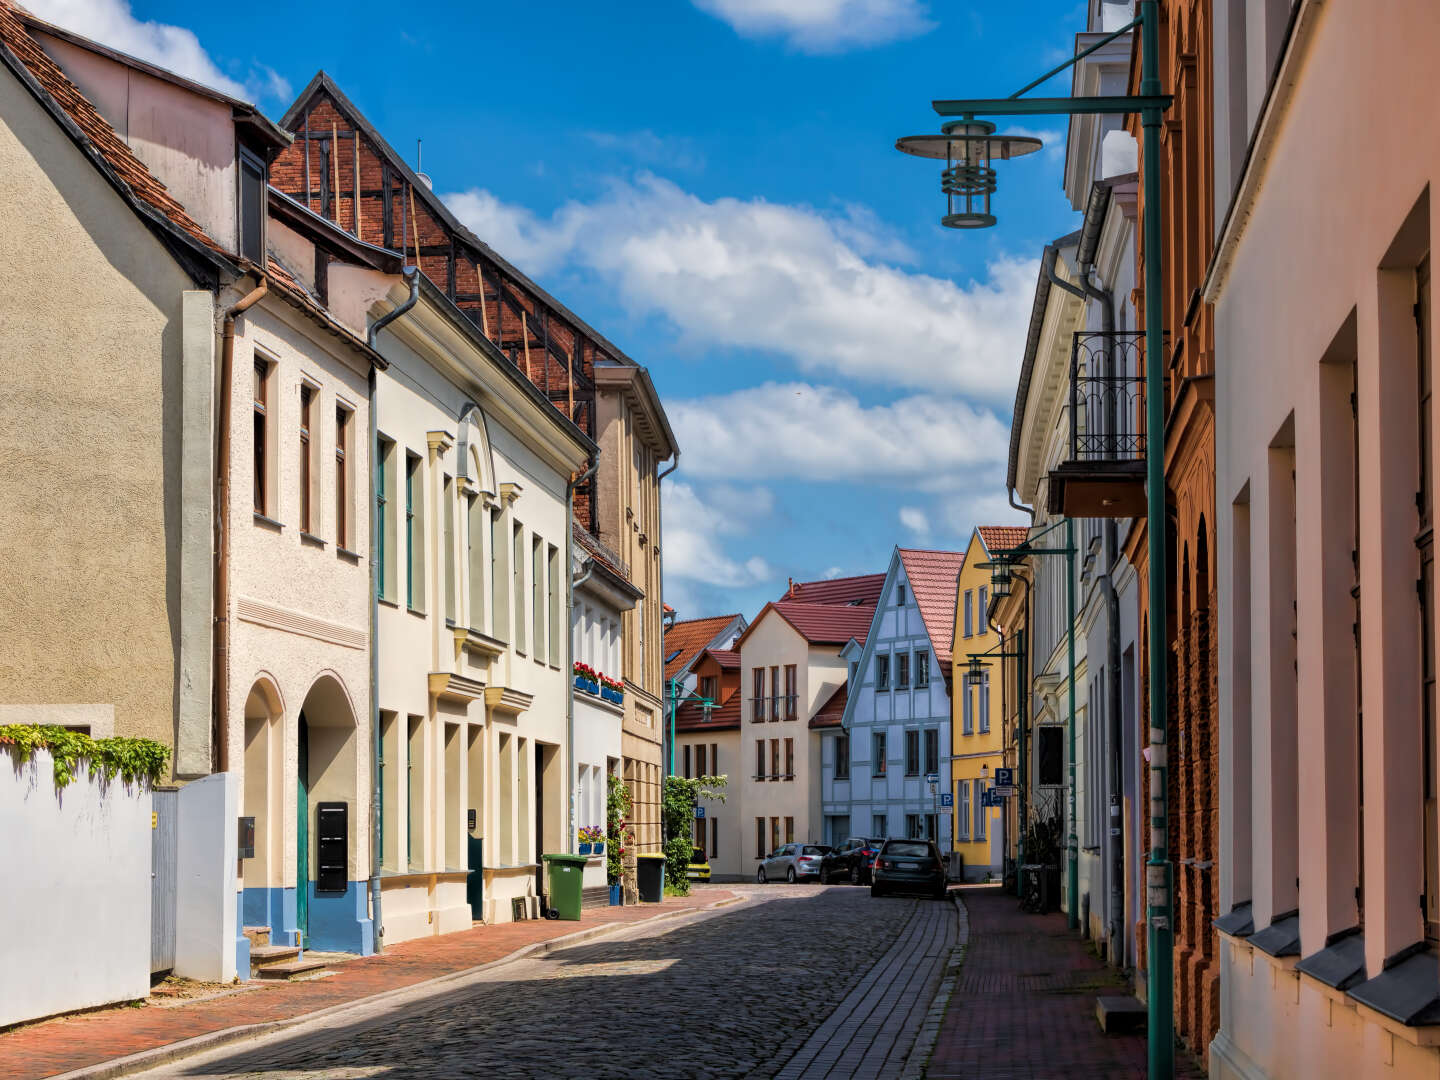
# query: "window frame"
[[912, 752], [262, 394], [841, 749], [309, 393], [882, 671], [879, 760]]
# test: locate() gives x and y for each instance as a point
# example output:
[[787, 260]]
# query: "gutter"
[[571, 487], [221, 682], [659, 537], [412, 275]]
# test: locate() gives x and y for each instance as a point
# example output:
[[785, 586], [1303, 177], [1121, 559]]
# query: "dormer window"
[[252, 184]]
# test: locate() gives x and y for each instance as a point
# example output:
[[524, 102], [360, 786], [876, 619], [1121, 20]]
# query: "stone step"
[[264, 955], [258, 935], [1119, 1014], [290, 968]]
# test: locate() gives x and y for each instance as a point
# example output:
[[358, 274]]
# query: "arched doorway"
[[263, 873], [331, 902]]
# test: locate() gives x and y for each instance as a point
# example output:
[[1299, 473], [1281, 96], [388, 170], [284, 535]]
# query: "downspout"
[[660, 533], [569, 668], [411, 274], [219, 752]]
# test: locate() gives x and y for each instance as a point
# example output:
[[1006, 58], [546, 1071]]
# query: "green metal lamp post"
[[1150, 103], [675, 701]]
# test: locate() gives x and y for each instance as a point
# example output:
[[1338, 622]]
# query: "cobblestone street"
[[734, 993]]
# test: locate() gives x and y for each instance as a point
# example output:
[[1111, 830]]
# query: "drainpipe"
[[569, 669], [219, 753], [411, 275], [660, 533]]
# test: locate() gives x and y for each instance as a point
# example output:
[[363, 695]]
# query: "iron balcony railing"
[[1107, 396]]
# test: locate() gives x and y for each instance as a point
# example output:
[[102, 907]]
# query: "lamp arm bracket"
[[1131, 25]]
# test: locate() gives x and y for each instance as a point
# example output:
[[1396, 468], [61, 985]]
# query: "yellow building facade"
[[976, 728]]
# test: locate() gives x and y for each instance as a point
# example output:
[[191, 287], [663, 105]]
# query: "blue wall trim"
[[342, 923], [272, 907], [242, 943]]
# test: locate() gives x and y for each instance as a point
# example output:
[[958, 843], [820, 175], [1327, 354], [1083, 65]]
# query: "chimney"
[[790, 591]]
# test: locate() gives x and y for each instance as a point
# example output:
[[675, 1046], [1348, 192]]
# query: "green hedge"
[[133, 759]]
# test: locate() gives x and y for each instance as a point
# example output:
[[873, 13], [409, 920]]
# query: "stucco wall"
[[205, 850], [92, 476], [76, 900]]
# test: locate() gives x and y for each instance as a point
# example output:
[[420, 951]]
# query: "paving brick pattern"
[[728, 995], [1023, 1006], [69, 1043]]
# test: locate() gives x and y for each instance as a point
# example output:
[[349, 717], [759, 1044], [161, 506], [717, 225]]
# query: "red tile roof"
[[691, 717], [96, 130], [933, 579], [863, 590], [1002, 537], [684, 640], [820, 624], [830, 714], [728, 659]]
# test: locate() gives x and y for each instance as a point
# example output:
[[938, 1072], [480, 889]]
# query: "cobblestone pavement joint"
[[724, 994]]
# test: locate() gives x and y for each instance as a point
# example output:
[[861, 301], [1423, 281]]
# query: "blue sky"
[[714, 185]]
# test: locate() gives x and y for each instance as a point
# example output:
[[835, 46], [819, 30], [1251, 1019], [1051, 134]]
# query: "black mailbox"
[[332, 846], [472, 819]]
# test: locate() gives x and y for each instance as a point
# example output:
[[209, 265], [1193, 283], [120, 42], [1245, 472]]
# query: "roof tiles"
[[825, 624], [832, 712], [862, 590], [684, 640], [933, 577], [1002, 537]]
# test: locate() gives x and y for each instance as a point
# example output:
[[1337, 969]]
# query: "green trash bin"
[[650, 878], [567, 872]]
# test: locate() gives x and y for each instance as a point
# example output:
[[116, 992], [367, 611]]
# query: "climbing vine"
[[133, 759], [679, 797]]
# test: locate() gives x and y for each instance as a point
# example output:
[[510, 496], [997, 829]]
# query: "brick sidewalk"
[[1023, 1007], [75, 1042]]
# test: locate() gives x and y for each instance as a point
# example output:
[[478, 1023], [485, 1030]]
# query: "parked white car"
[[792, 862]]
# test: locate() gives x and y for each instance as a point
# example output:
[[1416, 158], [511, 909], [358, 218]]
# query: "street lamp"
[[1002, 580], [968, 146], [1151, 104], [675, 701]]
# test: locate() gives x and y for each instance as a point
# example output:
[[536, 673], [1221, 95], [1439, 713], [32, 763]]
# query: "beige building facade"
[[1326, 359]]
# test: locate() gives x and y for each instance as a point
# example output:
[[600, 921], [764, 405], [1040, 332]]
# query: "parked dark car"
[[909, 866], [851, 861]]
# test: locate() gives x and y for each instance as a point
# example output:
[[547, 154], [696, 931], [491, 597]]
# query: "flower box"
[[585, 849], [598, 848], [609, 693], [586, 685]]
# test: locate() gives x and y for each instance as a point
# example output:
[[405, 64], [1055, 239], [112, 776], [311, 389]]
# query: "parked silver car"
[[791, 862]]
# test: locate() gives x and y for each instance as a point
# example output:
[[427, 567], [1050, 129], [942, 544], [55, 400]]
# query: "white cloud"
[[692, 547], [915, 519], [823, 26], [174, 48], [824, 433], [783, 279], [648, 148], [832, 573]]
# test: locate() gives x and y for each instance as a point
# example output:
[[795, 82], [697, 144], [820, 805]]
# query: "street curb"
[[163, 1055], [918, 1060]]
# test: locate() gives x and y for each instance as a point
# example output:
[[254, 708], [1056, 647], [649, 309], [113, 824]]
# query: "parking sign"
[[947, 800], [1004, 777]]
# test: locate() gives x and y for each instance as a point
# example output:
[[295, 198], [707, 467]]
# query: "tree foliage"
[[679, 797], [133, 759]]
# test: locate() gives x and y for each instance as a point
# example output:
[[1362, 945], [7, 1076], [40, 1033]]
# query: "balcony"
[[1104, 475]]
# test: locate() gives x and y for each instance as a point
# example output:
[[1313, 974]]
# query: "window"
[[714, 837], [912, 753], [789, 759], [775, 693], [962, 815], [932, 827], [902, 671], [982, 812], [900, 595], [774, 834], [709, 687], [879, 826], [698, 840], [984, 702], [414, 530], [517, 582], [415, 790], [791, 698], [969, 613], [253, 182], [877, 754], [882, 673], [715, 760], [913, 827], [932, 750], [984, 608], [789, 830], [537, 596], [967, 709], [385, 534], [759, 838], [922, 670], [757, 700], [700, 769], [499, 571], [307, 399], [774, 759], [1049, 755], [842, 757], [475, 523], [686, 755], [343, 486], [759, 759], [261, 476], [447, 518]]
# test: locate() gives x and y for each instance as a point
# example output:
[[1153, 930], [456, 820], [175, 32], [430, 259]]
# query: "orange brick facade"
[[1186, 170], [388, 208]]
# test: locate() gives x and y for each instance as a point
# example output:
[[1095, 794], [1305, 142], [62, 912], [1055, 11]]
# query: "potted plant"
[[592, 840], [586, 678]]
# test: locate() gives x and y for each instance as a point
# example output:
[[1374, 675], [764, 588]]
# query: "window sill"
[[416, 612], [387, 602], [269, 522], [348, 555], [312, 540]]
